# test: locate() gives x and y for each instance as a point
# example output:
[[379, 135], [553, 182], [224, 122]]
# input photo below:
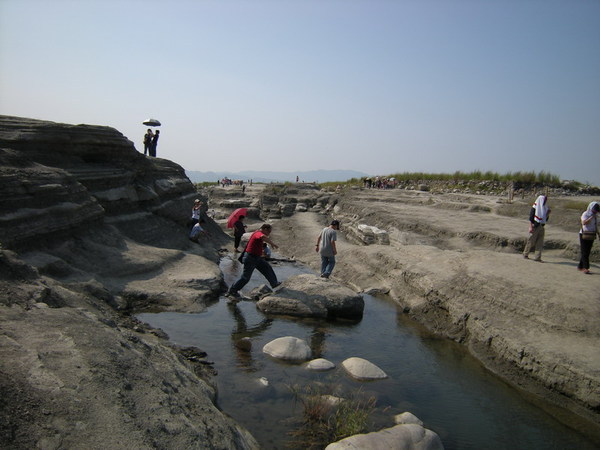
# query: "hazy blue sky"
[[376, 86]]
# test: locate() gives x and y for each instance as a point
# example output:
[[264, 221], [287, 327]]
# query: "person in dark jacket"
[[154, 143], [148, 141], [238, 231], [587, 235]]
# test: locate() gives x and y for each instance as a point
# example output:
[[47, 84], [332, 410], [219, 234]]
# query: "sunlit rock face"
[[307, 295]]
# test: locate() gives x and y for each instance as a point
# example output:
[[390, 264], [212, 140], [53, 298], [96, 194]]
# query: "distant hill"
[[268, 177]]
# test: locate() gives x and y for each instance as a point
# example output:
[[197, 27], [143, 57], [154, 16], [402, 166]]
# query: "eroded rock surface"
[[307, 295]]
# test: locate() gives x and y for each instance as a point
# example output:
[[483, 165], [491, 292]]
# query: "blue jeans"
[[252, 262], [327, 265]]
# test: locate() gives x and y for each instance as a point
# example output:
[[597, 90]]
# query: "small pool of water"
[[435, 379]]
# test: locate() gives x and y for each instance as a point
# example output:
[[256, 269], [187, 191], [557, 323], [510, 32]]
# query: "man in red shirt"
[[253, 259]]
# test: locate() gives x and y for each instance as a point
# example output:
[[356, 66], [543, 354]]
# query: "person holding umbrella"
[[151, 139], [238, 228], [238, 231], [154, 143], [253, 259]]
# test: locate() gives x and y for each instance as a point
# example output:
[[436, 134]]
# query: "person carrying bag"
[[587, 235]]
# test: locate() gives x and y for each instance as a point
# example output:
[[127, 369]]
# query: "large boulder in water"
[[307, 295], [400, 437]]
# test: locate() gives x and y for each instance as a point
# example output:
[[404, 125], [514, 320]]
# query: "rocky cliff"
[[59, 179], [78, 207]]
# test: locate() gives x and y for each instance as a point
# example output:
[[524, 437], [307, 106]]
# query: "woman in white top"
[[587, 234]]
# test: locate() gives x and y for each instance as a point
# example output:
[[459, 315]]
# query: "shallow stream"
[[435, 379]]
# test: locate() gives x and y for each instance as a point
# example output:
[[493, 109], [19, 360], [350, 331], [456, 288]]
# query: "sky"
[[377, 86]]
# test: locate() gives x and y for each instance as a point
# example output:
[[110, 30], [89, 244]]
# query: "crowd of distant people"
[[224, 182], [379, 182]]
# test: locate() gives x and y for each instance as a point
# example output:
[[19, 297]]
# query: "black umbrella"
[[151, 122]]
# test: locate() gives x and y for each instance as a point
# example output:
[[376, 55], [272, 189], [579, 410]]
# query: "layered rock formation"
[[58, 179]]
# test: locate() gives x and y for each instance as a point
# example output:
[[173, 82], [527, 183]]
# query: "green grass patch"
[[576, 205], [327, 419]]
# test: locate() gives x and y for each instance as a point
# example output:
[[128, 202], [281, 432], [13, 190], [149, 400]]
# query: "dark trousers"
[[236, 240], [252, 262], [586, 249]]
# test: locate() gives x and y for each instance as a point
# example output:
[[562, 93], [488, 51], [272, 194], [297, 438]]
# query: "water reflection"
[[317, 341], [242, 334]]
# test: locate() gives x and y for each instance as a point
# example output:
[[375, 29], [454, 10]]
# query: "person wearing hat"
[[326, 247], [196, 211]]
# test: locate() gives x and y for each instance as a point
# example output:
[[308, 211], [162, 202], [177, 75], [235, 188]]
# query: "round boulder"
[[401, 437], [320, 364], [288, 348], [361, 369]]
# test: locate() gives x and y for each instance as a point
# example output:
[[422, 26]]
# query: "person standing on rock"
[[328, 250], [538, 216], [238, 231], [253, 259], [148, 141], [154, 143], [587, 235]]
